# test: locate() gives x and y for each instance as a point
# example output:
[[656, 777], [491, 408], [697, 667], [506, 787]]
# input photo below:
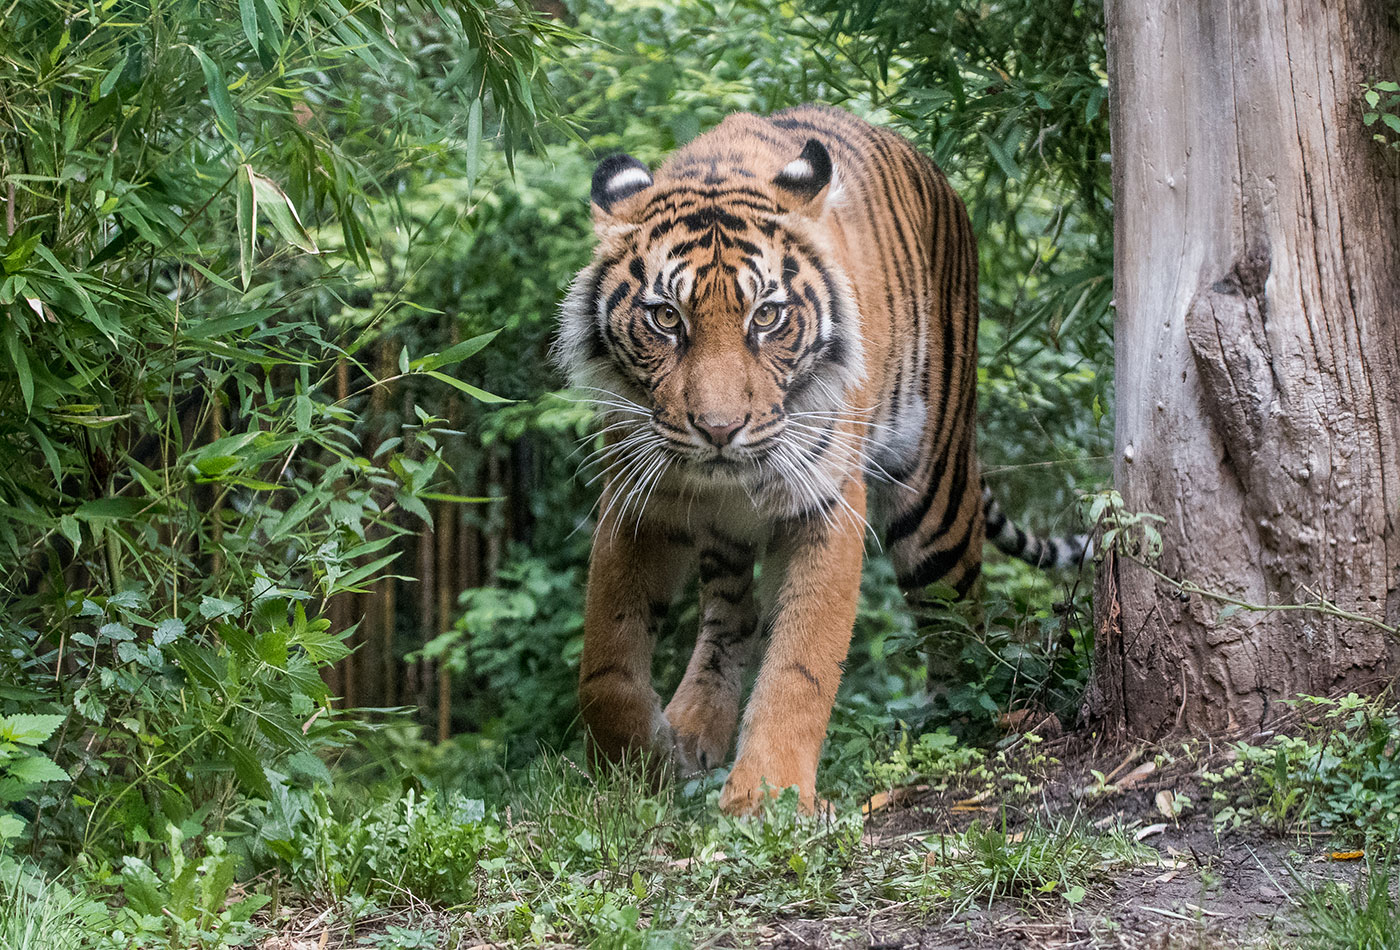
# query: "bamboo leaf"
[[224, 118], [20, 360], [473, 142], [247, 215], [453, 354], [479, 394], [273, 202], [248, 15]]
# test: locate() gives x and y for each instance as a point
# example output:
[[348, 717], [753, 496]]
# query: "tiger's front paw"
[[753, 780], [703, 731]]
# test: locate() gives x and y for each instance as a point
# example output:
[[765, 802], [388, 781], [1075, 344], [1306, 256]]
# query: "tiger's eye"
[[666, 317], [767, 315]]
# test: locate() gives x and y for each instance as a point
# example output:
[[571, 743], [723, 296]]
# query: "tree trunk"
[[1258, 358]]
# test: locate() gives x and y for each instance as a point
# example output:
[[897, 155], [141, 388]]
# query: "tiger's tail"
[[1069, 551]]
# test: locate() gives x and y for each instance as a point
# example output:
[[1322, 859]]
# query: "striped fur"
[[779, 329]]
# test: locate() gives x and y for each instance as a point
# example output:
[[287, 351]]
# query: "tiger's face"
[[715, 327]]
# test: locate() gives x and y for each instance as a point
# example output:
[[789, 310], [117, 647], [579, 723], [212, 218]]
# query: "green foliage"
[[1361, 916], [23, 770], [1011, 101], [1383, 112], [177, 901], [430, 847], [613, 860], [181, 490], [519, 644], [1341, 774], [1043, 862], [583, 859], [1015, 648], [37, 914]]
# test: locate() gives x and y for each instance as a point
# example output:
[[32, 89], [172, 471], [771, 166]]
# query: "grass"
[[554, 855], [614, 861], [1363, 916], [36, 914], [1059, 860]]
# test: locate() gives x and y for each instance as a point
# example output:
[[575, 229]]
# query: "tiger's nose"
[[717, 429]]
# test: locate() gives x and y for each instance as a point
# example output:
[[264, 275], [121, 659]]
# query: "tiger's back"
[[912, 256]]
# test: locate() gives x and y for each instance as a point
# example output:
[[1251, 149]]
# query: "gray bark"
[[1258, 356]]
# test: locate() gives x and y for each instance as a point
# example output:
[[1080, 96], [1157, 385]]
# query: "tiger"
[[778, 333]]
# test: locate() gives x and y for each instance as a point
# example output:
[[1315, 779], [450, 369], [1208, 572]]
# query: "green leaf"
[[119, 509], [168, 631], [247, 215], [1392, 121], [454, 354], [29, 728], [211, 608], [36, 769], [116, 631], [1002, 157], [352, 580], [10, 827], [273, 202], [84, 298], [20, 360], [68, 526], [413, 505], [248, 15], [473, 141], [224, 117], [109, 80], [479, 394]]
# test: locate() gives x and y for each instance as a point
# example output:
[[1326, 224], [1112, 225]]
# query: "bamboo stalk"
[[446, 524]]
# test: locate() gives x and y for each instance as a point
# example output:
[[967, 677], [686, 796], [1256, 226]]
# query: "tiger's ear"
[[804, 178], [615, 180]]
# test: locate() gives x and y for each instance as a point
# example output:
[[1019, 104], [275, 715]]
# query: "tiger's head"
[[715, 312]]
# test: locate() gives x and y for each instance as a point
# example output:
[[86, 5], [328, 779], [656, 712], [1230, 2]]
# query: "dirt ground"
[[1210, 890]]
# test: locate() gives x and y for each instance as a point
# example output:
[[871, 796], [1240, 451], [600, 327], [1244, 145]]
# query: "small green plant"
[[396, 937], [1341, 774], [38, 914], [1040, 863], [936, 758], [1131, 533], [183, 900], [1383, 112], [1024, 644], [426, 845]]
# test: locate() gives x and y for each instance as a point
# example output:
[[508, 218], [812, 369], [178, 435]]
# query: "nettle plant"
[[183, 480]]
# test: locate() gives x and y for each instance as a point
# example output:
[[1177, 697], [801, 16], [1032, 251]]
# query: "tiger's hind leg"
[[705, 708], [947, 548]]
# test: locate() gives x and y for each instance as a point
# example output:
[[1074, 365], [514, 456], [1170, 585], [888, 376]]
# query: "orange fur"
[[779, 327]]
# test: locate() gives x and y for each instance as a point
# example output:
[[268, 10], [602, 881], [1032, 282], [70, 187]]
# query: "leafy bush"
[[177, 901], [429, 846], [1341, 774], [183, 488], [23, 770]]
